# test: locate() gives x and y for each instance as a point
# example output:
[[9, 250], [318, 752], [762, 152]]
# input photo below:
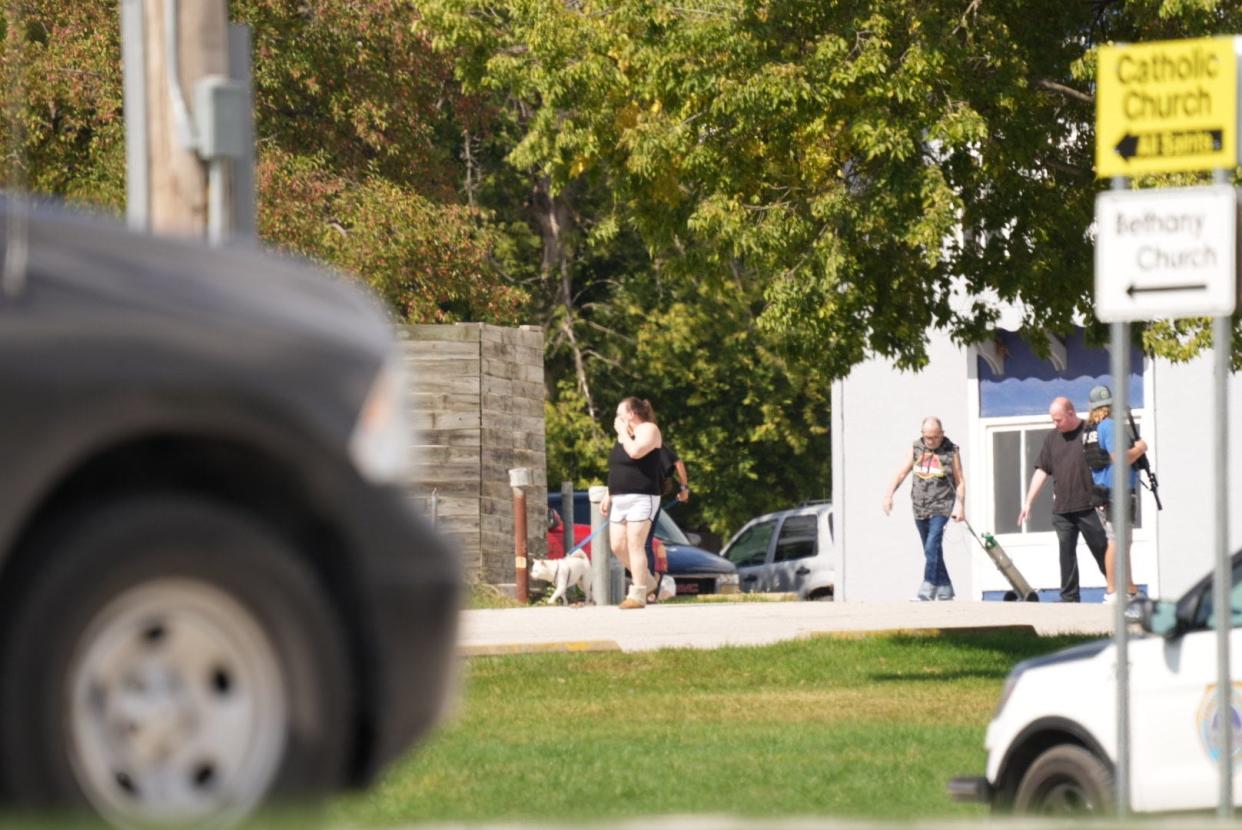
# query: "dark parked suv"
[[213, 589]]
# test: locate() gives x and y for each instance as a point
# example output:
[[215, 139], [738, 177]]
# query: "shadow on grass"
[[1016, 642], [1006, 645]]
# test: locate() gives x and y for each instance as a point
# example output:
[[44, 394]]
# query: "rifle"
[[1143, 465]]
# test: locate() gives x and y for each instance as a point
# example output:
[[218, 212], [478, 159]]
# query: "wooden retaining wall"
[[477, 397]]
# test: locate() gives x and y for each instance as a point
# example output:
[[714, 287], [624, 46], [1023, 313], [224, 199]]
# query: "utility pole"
[[185, 41], [188, 123]]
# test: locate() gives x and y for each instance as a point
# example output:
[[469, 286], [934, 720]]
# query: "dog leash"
[[583, 543]]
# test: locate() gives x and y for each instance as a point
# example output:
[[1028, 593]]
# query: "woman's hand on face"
[[621, 426]]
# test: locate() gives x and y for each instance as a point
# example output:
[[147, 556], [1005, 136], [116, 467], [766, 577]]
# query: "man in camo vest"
[[938, 494]]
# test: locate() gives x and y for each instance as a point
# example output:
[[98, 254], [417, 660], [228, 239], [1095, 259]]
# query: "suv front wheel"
[[171, 661], [1065, 780]]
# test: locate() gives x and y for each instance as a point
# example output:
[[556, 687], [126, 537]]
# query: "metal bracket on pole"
[[221, 118], [172, 61]]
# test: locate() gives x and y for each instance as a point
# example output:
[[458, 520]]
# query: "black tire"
[[225, 598], [1066, 780]]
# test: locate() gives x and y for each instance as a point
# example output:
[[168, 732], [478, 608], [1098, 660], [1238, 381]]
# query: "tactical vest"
[[1096, 458]]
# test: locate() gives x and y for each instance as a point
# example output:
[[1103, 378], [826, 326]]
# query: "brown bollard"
[[519, 480]]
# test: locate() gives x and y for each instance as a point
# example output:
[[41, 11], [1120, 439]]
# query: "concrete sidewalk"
[[709, 625]]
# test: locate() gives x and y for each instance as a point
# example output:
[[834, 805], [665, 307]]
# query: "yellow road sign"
[[1167, 106]]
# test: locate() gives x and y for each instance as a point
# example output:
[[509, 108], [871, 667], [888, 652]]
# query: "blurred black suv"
[[213, 589]]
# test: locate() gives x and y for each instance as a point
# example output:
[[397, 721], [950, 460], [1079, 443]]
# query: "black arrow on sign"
[[1157, 289], [1127, 148]]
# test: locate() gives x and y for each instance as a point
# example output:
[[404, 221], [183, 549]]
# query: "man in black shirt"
[[672, 470], [1062, 458]]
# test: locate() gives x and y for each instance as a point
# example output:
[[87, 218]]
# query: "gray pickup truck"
[[214, 592]]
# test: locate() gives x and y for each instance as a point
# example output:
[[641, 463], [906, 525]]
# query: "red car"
[[556, 535], [556, 539]]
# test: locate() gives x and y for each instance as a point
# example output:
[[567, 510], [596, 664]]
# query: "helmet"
[[1099, 396]]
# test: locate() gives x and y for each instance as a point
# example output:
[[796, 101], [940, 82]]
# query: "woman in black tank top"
[[633, 492]]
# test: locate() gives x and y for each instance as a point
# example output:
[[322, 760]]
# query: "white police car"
[[1052, 743]]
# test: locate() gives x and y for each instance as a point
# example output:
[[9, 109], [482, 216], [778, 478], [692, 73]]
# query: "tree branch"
[[1072, 169], [972, 9], [1068, 92]]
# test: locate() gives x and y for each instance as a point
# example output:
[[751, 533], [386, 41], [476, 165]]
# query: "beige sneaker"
[[632, 603]]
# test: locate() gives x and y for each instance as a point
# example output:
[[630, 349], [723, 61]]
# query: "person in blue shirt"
[[1100, 442]]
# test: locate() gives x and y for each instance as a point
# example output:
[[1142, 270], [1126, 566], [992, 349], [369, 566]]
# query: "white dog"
[[574, 569]]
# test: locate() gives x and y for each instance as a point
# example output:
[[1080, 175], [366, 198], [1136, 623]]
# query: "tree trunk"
[[553, 215]]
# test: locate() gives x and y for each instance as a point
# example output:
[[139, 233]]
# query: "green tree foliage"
[[430, 262], [719, 205], [359, 125], [63, 61], [812, 184]]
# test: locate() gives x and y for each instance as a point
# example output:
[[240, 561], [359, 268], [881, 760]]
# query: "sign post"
[[1170, 107]]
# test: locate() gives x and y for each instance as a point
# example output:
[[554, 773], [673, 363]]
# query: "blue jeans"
[[931, 530]]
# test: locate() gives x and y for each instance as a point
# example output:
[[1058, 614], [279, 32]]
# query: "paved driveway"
[[709, 625]]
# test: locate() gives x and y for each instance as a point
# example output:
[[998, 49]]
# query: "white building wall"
[[876, 415], [1183, 453]]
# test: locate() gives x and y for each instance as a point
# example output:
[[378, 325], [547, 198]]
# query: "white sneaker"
[[1110, 599]]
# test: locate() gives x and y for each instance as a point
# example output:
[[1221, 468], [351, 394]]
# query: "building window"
[[1014, 451]]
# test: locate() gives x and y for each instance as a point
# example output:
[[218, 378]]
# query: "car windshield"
[[667, 531]]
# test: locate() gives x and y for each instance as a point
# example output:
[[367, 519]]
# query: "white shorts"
[[633, 507]]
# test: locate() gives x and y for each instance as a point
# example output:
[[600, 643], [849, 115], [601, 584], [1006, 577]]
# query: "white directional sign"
[[1166, 253]]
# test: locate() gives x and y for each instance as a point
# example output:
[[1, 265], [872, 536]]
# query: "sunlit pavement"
[[710, 625]]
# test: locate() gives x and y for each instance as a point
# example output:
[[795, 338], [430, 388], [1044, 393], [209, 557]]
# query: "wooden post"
[[519, 480], [177, 177]]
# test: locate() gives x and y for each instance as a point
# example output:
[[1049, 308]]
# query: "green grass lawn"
[[867, 728]]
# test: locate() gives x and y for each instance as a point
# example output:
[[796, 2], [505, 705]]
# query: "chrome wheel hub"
[[177, 709]]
